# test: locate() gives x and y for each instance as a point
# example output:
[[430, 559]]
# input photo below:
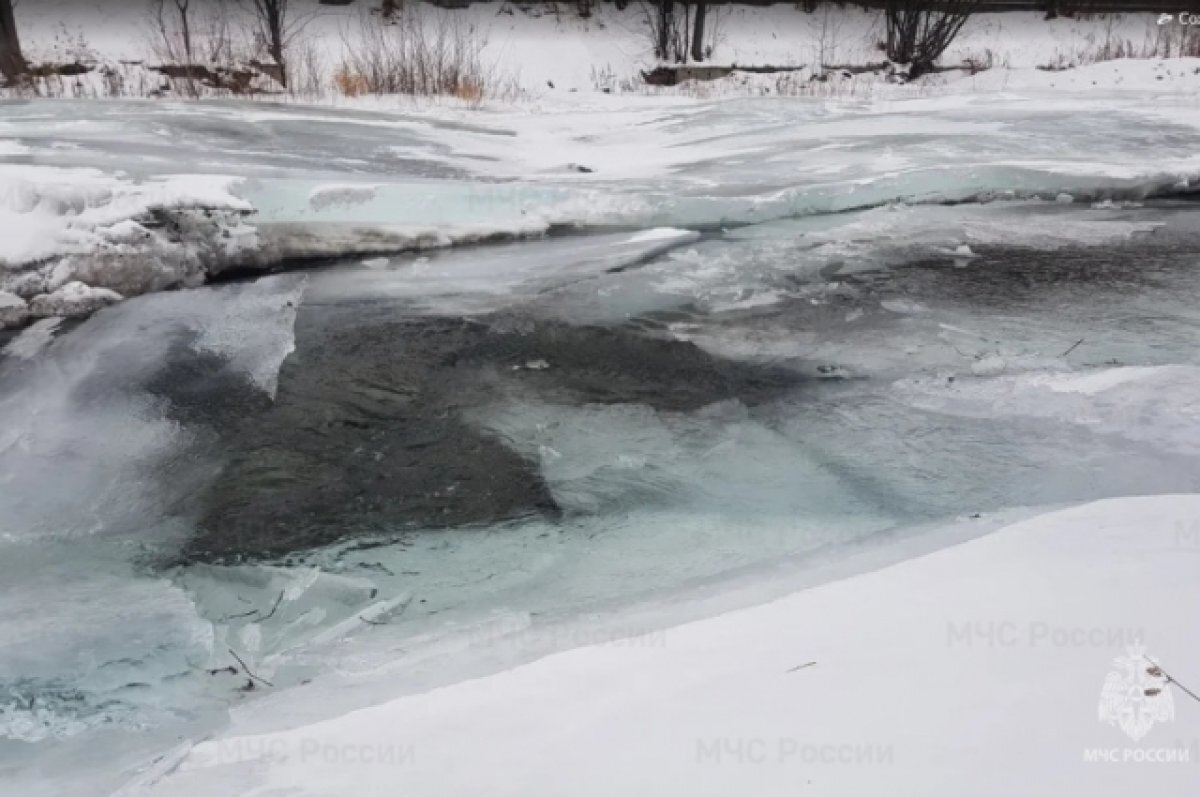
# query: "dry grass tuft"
[[351, 84]]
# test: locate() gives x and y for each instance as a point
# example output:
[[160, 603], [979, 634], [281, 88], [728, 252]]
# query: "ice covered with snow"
[[72, 299], [324, 196], [66, 229], [930, 673], [33, 339], [53, 211], [13, 309], [253, 332], [462, 282], [134, 224], [1157, 405]]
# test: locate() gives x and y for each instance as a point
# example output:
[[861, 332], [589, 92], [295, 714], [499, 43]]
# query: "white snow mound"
[[981, 670], [111, 232], [73, 299]]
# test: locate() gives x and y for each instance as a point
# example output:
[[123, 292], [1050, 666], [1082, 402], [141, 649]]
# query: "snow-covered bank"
[[949, 674], [545, 51], [76, 239]]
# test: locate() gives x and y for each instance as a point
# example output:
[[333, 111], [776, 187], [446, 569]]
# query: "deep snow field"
[[605, 443]]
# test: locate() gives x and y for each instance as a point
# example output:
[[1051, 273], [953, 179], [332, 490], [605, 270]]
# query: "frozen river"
[[678, 346]]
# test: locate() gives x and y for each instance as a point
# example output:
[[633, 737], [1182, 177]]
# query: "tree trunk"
[[276, 44], [666, 24], [273, 26], [185, 28], [12, 62], [698, 32]]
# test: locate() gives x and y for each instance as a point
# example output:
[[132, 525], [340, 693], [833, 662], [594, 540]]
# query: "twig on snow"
[[274, 607], [248, 671], [1074, 346], [1157, 671]]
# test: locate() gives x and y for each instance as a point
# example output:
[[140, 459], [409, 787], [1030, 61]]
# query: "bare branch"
[[1157, 671], [918, 33], [249, 673]]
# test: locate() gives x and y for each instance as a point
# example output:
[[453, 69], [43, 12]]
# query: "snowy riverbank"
[[539, 53], [942, 675]]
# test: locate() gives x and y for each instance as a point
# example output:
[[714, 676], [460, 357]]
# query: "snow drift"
[[844, 687], [77, 238]]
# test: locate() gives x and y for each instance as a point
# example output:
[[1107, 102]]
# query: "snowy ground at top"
[[548, 51]]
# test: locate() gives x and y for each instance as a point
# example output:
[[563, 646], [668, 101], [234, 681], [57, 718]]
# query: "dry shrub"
[[351, 84], [1178, 41], [470, 92], [415, 51], [918, 33], [1168, 41], [308, 72]]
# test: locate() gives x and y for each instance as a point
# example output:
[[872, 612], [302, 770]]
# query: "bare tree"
[[204, 37], [679, 31], [12, 62], [668, 29], [698, 31], [217, 43], [826, 45], [184, 7], [173, 26], [416, 53], [277, 26], [918, 32]]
